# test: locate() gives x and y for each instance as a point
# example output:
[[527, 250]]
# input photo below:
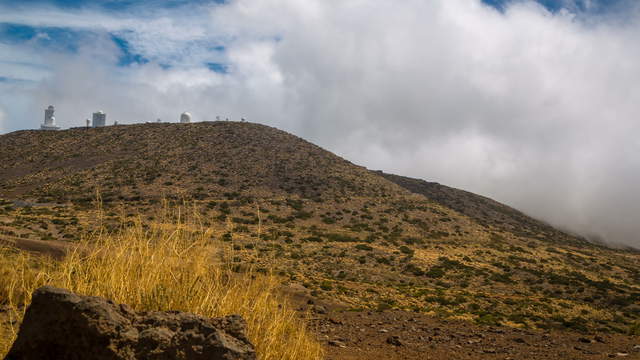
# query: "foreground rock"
[[62, 325]]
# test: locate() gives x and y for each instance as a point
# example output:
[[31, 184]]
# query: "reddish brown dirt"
[[405, 335]]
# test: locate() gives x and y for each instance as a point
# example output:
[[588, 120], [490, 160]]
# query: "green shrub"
[[405, 250], [413, 241], [435, 272], [503, 278], [312, 239], [295, 204], [489, 320], [326, 286], [415, 270], [303, 215], [340, 238]]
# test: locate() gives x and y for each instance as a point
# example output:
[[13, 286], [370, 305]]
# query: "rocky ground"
[[405, 335], [389, 335]]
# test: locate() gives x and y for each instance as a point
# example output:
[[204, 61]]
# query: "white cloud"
[[534, 108]]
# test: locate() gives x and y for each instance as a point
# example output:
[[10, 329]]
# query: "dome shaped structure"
[[185, 117]]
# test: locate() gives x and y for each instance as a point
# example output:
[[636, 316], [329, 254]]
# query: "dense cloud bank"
[[536, 109]]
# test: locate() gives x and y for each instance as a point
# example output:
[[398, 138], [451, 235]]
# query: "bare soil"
[[405, 335], [53, 248]]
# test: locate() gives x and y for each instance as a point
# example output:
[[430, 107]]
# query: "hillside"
[[198, 161], [337, 232], [486, 212]]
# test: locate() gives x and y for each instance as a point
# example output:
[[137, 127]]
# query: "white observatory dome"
[[185, 117]]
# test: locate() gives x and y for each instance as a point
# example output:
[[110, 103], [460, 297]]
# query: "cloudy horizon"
[[534, 104]]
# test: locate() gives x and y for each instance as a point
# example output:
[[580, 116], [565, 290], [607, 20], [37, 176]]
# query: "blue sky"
[[555, 5], [67, 39], [493, 96]]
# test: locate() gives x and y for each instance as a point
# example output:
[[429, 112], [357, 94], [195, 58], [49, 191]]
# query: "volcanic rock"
[[61, 325]]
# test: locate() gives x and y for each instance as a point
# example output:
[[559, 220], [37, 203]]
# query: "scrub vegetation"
[[163, 265]]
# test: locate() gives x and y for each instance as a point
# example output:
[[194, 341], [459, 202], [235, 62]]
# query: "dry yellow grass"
[[162, 266]]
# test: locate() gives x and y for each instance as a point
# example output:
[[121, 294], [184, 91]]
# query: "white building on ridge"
[[99, 119], [49, 119], [185, 118]]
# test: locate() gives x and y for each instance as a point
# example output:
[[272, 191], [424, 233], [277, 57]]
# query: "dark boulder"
[[61, 325]]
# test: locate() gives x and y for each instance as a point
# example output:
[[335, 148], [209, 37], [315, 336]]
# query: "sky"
[[533, 103]]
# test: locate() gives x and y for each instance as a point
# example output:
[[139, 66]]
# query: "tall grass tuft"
[[162, 266]]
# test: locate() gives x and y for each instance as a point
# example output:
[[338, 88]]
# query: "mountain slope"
[[486, 212], [336, 231]]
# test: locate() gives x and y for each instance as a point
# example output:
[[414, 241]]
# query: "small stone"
[[585, 351], [337, 343], [383, 331], [489, 351], [319, 309], [394, 340], [637, 347], [621, 354]]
